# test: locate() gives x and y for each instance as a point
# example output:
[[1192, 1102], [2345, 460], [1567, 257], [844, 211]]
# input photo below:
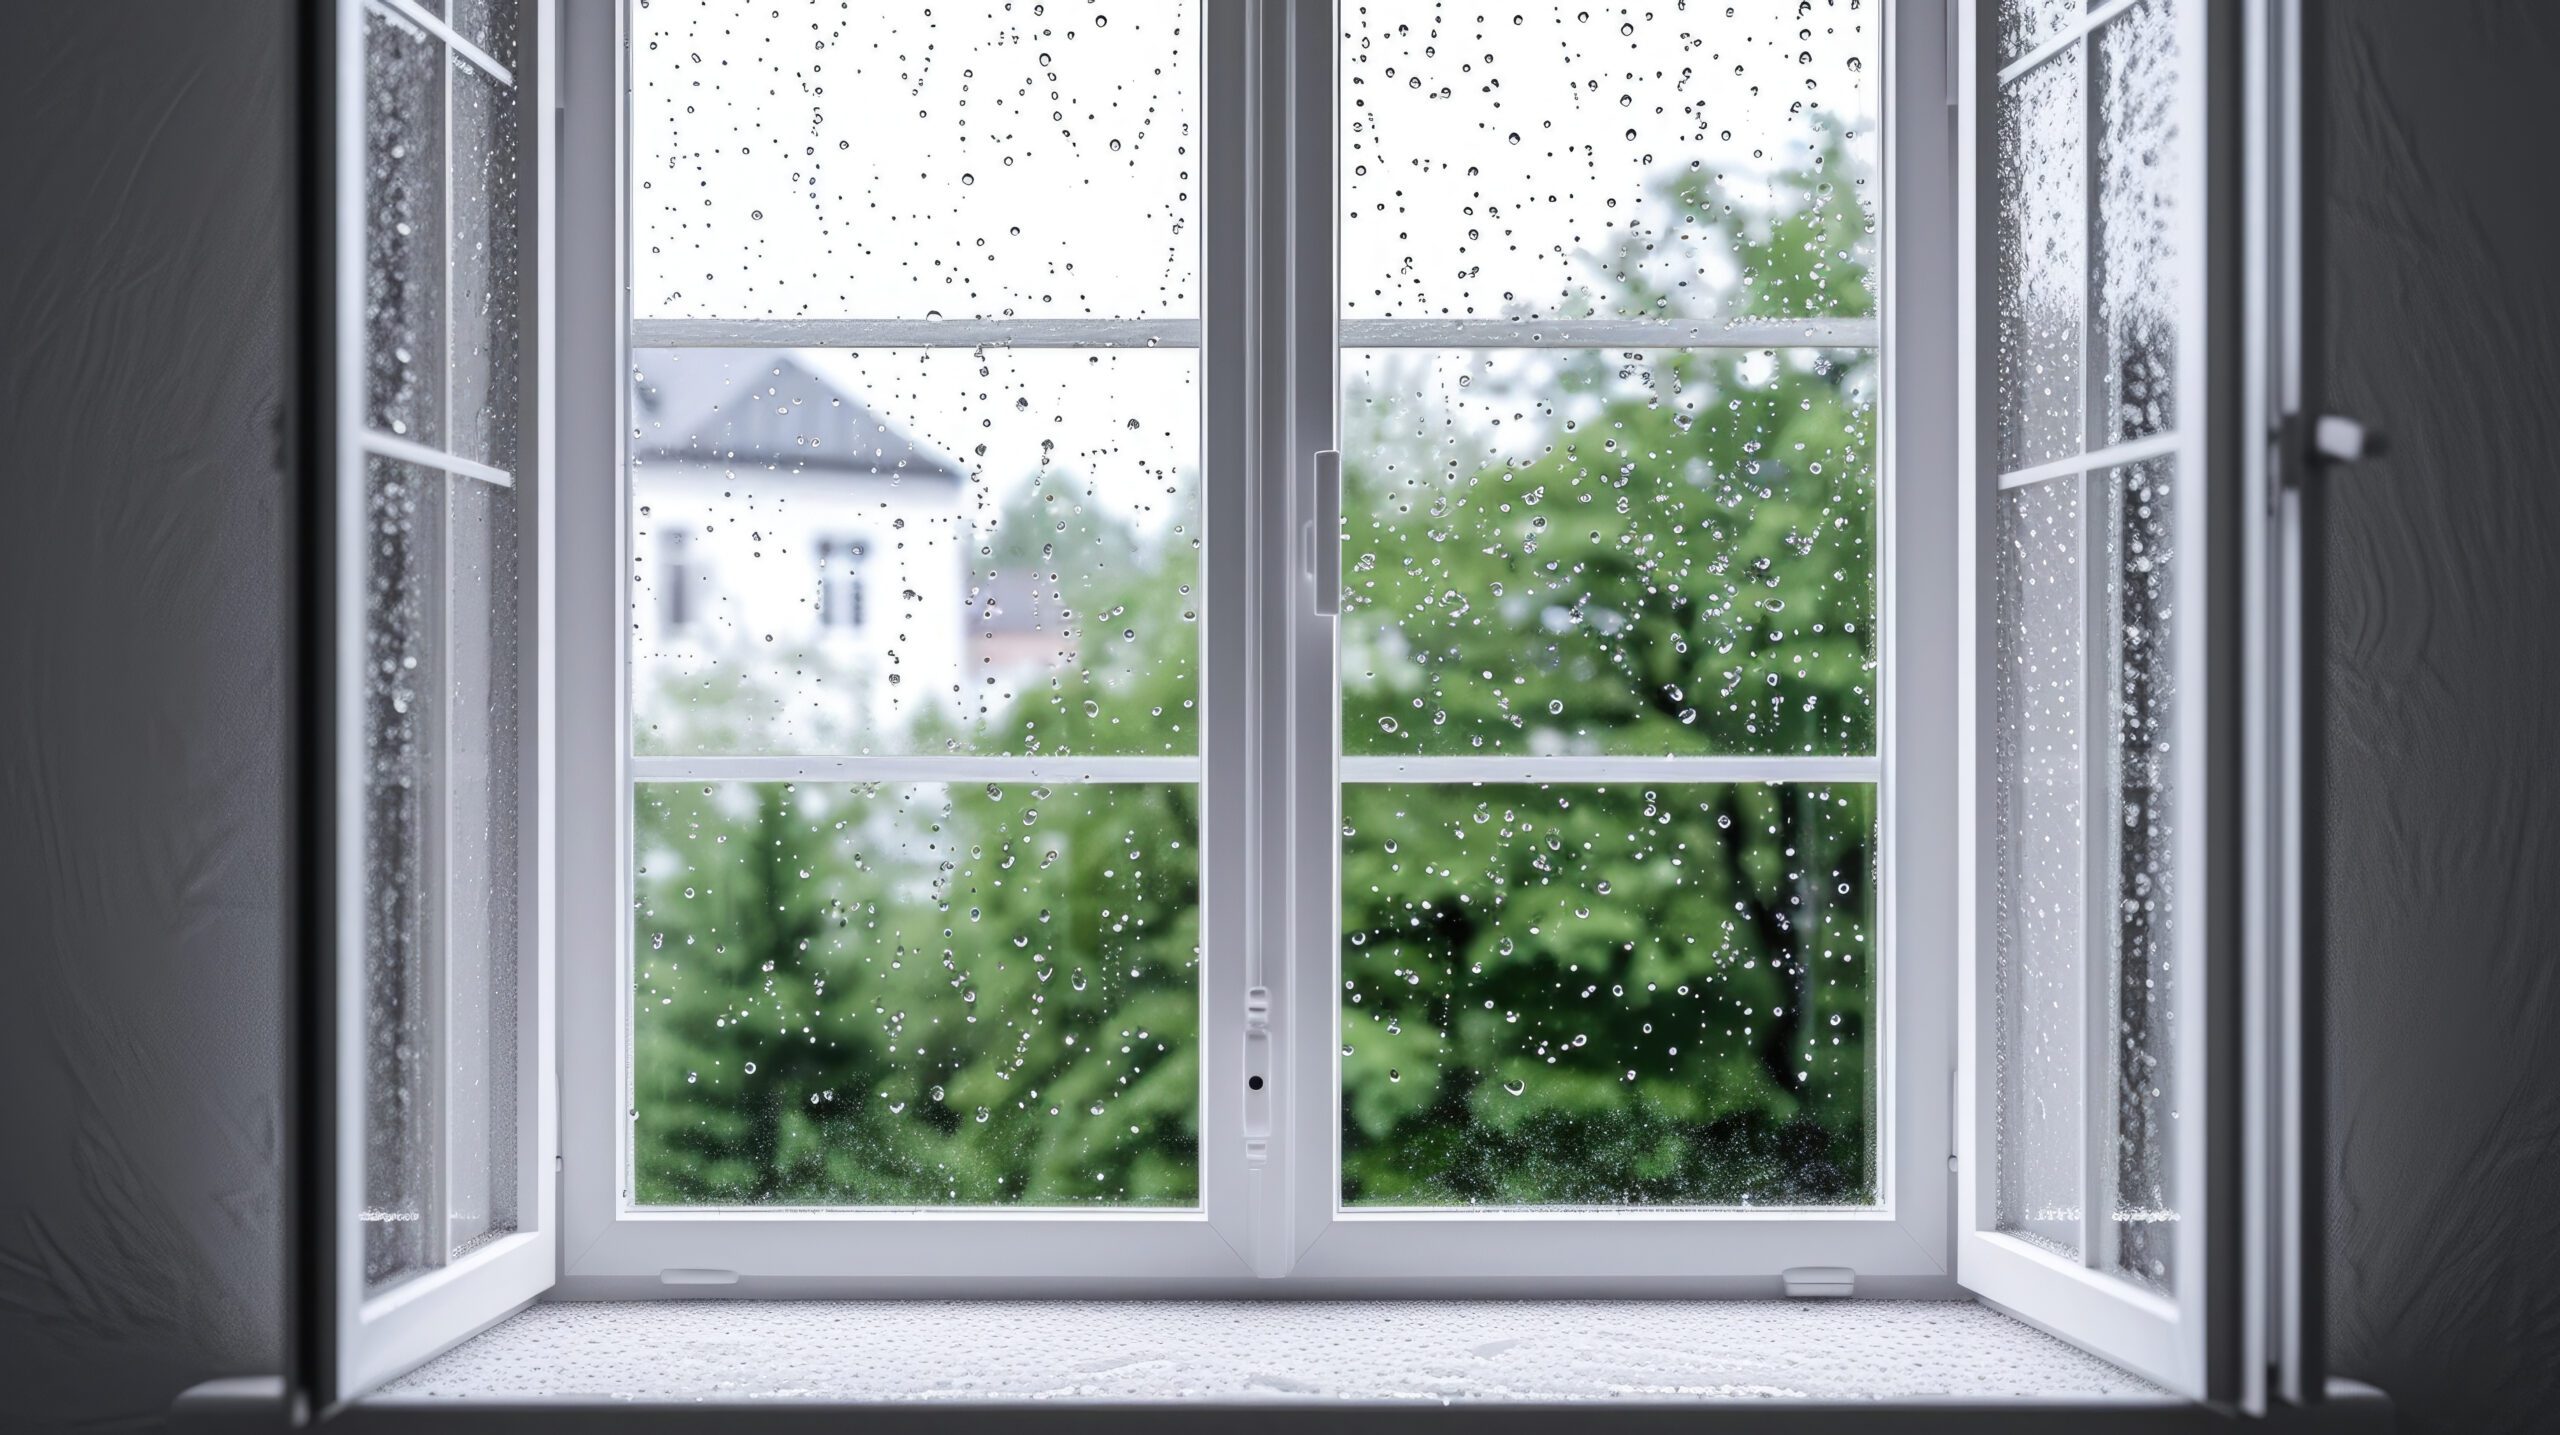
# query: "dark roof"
[[769, 408]]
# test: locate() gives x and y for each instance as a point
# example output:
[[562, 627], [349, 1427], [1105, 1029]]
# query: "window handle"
[[1324, 534]]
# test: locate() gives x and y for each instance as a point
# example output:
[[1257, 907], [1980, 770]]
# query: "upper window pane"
[[2025, 24], [489, 24], [1559, 161], [404, 269], [915, 162], [913, 551], [2132, 255], [1609, 553], [2043, 233]]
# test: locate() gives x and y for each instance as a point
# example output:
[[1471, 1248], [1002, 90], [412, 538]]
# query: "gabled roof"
[[778, 408]]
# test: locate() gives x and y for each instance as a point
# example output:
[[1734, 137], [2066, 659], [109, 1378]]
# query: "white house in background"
[[777, 518]]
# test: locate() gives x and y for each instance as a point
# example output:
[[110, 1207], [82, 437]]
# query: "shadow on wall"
[[144, 296], [2444, 795]]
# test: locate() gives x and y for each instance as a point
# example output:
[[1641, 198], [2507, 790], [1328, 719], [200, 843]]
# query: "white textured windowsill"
[[1228, 1353]]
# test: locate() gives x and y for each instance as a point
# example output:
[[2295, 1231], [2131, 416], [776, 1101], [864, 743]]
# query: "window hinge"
[[1818, 1282]]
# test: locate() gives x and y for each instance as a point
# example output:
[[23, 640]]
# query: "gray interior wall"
[[145, 177], [142, 578], [2443, 901]]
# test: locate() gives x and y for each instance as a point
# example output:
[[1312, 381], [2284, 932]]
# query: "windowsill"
[[1329, 1353], [1342, 1366]]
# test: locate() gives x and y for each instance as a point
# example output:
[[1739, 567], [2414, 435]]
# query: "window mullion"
[[2098, 846]]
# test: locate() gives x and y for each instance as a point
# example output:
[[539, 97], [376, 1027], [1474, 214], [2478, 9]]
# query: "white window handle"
[[1324, 534]]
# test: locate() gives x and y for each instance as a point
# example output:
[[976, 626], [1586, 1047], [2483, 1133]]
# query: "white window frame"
[[1269, 1205], [363, 1338]]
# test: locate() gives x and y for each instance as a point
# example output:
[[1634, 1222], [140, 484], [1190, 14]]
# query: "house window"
[[840, 583], [1566, 649], [676, 579], [1548, 881]]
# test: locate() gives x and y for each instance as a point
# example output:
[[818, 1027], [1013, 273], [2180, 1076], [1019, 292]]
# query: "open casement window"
[[2118, 832], [430, 1069], [1253, 648]]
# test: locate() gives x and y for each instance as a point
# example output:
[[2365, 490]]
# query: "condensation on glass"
[[2027, 24], [1609, 552], [914, 161], [1608, 995], [973, 991], [1588, 993], [2039, 844], [1556, 161], [2041, 239], [916, 994], [907, 551], [2141, 986], [404, 270], [440, 584], [2132, 260]]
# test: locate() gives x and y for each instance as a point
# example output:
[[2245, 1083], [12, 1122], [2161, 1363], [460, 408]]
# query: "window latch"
[[2328, 440], [1257, 1076], [1819, 1282], [1323, 534]]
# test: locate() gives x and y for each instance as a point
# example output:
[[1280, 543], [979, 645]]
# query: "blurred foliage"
[[1645, 993]]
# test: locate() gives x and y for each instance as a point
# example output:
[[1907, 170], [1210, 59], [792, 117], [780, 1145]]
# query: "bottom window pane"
[[2143, 987], [441, 748], [1608, 996], [481, 861], [402, 557], [916, 994], [2039, 736]]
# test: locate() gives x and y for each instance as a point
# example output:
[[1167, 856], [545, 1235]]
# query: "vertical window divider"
[[2097, 845], [1304, 240], [435, 886]]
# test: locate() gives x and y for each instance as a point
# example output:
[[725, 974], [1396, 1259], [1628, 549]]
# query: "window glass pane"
[[916, 994], [480, 862], [2143, 988], [1021, 529], [1608, 996], [1578, 552], [404, 228], [491, 25], [2039, 735], [914, 161], [402, 549], [486, 303], [2042, 233], [1554, 160], [2138, 182], [2025, 24]]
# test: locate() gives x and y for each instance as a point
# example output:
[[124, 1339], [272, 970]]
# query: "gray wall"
[[142, 578], [143, 305], [2444, 789]]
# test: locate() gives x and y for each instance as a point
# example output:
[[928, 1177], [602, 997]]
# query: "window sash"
[[361, 1335], [2184, 1338]]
